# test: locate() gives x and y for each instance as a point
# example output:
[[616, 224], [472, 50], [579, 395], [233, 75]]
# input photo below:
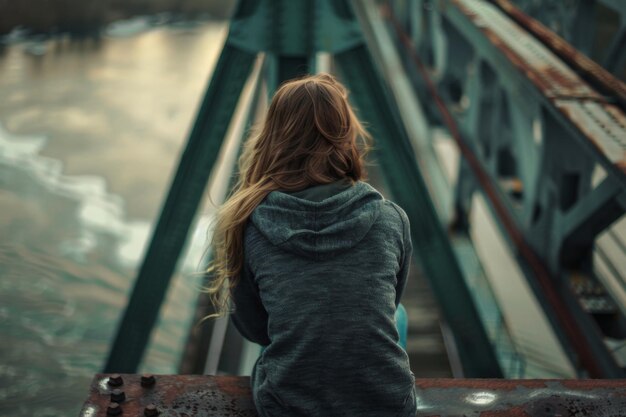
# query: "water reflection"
[[89, 133]]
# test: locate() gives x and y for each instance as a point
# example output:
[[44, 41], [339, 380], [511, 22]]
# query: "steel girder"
[[271, 26], [525, 116], [432, 247], [335, 30], [179, 209], [577, 21]]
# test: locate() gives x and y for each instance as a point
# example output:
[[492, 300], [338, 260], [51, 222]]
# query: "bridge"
[[219, 396], [500, 128]]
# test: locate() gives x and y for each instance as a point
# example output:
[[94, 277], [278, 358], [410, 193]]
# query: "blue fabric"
[[402, 324], [320, 286]]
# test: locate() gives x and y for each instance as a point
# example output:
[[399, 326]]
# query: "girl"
[[315, 261]]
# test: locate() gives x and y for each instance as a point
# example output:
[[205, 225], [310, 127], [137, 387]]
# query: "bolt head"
[[115, 380], [147, 380], [114, 409], [151, 411], [117, 395]]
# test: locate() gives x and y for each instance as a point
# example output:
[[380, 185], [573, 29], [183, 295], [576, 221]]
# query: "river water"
[[90, 134]]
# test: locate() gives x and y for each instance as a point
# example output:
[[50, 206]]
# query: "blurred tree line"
[[88, 16]]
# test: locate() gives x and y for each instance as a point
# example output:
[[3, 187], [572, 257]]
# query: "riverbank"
[[88, 17]]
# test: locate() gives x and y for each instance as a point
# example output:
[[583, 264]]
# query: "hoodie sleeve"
[[249, 317], [403, 273]]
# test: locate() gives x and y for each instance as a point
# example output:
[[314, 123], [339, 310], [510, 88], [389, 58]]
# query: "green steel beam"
[[293, 66], [542, 141], [276, 26], [294, 27], [290, 32], [194, 358], [281, 68], [432, 247], [585, 221], [170, 234]]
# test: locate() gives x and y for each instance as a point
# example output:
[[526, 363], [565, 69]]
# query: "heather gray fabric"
[[323, 275], [322, 191]]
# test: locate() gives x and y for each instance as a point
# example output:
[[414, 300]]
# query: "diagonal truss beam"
[[432, 247]]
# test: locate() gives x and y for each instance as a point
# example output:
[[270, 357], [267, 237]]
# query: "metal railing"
[[272, 27], [538, 141], [546, 149], [597, 28]]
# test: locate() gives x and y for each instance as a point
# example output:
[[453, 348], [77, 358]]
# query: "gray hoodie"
[[323, 274]]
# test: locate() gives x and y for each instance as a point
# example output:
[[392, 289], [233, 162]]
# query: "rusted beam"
[[604, 122], [591, 71], [228, 396], [549, 74], [555, 81], [170, 395]]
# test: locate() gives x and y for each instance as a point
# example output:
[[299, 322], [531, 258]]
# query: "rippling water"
[[89, 134]]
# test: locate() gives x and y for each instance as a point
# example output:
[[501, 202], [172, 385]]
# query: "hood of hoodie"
[[318, 229]]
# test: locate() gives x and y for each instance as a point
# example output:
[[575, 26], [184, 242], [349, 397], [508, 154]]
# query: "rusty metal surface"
[[601, 78], [542, 66], [527, 398], [173, 396], [602, 123], [227, 396]]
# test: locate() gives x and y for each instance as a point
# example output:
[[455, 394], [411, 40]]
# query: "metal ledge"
[[556, 82], [225, 396]]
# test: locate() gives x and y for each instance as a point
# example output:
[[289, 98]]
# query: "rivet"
[[147, 380], [114, 409], [150, 411], [115, 380], [117, 395]]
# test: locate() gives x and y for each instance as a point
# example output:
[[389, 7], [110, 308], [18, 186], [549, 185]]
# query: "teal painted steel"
[[194, 359], [291, 32], [537, 136], [270, 26], [432, 247], [293, 66], [595, 27], [295, 28], [281, 68], [205, 140]]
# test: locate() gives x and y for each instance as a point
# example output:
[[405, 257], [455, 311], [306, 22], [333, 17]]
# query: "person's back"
[[329, 274], [322, 269]]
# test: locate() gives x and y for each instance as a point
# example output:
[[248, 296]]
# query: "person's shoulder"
[[251, 234], [393, 211], [390, 211]]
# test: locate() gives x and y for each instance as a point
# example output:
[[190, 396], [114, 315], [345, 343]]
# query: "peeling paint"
[[601, 122], [600, 77], [549, 73], [176, 396]]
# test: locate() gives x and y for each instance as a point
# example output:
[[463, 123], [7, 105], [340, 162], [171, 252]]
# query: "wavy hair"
[[310, 136]]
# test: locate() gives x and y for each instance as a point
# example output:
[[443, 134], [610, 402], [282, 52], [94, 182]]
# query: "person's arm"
[[403, 273], [249, 317]]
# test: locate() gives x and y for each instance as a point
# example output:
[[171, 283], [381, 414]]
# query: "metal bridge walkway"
[[504, 143]]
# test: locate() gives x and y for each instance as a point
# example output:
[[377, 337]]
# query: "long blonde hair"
[[310, 136]]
